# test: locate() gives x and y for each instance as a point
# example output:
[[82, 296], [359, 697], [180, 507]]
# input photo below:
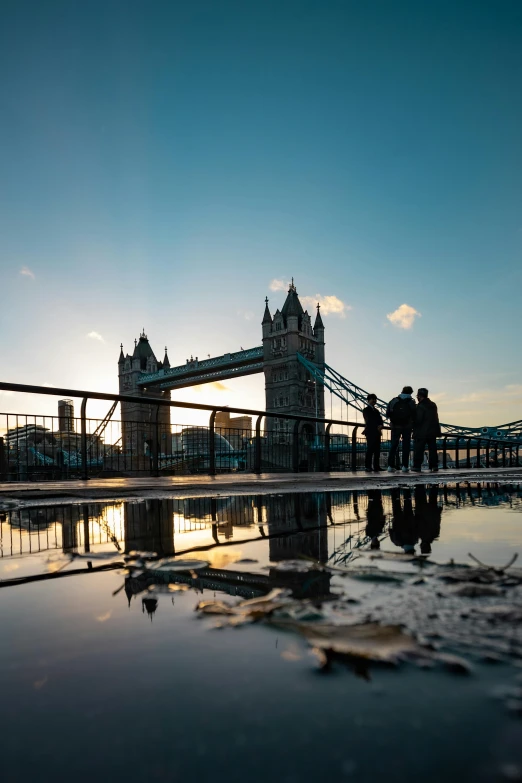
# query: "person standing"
[[372, 430], [403, 530], [425, 432], [401, 412], [427, 515], [376, 518]]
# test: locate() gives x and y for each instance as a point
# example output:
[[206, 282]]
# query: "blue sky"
[[162, 163]]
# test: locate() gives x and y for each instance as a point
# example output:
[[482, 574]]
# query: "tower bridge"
[[292, 359]]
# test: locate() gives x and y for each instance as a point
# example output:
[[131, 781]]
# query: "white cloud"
[[96, 336], [278, 285], [403, 317], [330, 305], [27, 272]]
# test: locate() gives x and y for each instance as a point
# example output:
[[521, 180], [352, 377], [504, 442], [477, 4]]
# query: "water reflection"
[[322, 526]]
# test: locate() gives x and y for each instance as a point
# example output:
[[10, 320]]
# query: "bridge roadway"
[[42, 493]]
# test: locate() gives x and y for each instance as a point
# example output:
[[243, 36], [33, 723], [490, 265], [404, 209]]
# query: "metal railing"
[[32, 447]]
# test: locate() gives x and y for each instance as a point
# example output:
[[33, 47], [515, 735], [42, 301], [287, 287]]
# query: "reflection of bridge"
[[325, 527]]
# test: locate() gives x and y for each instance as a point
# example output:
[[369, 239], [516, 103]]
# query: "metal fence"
[[38, 447]]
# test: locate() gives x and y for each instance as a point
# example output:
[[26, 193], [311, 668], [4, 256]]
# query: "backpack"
[[400, 412]]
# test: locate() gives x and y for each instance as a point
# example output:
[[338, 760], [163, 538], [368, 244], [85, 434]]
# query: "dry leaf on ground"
[[375, 642]]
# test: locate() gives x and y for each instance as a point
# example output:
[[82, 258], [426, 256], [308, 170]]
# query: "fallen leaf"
[[214, 607], [375, 642]]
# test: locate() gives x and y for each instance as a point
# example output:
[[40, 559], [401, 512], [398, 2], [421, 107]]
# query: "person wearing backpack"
[[425, 432], [401, 412]]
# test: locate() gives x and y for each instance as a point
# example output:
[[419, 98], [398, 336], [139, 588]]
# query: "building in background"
[[29, 435], [237, 430], [65, 416]]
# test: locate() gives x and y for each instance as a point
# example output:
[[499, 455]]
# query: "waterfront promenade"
[[244, 483]]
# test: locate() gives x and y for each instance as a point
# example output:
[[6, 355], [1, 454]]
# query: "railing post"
[[354, 448], [468, 453], [83, 438], [457, 455], [517, 463], [295, 447], [3, 460], [212, 444], [155, 445], [257, 446], [503, 455], [486, 457], [86, 531], [479, 463], [444, 452], [327, 447], [510, 455]]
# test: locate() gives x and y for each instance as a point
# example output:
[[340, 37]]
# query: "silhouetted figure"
[[401, 412], [376, 518], [149, 605], [372, 431], [426, 431], [427, 515], [403, 532]]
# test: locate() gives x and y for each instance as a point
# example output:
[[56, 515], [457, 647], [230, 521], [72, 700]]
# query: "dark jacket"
[[375, 515], [372, 420], [403, 530], [427, 513], [427, 421], [413, 408]]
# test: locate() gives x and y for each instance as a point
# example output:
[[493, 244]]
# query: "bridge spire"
[[318, 320], [166, 362], [267, 318]]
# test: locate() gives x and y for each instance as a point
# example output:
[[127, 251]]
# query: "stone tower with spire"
[[139, 419], [288, 385]]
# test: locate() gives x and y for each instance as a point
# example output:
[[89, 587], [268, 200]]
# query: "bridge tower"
[[288, 386], [138, 419]]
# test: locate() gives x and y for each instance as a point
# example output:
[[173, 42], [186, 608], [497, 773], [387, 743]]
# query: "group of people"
[[409, 527], [408, 419]]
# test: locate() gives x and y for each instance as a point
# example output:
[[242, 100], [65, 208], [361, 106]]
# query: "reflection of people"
[[401, 412], [403, 532], [426, 431], [372, 430], [376, 517], [427, 516]]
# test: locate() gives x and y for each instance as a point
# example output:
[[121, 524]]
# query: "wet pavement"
[[107, 669], [240, 483]]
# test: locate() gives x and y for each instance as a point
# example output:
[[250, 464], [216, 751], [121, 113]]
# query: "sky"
[[167, 165]]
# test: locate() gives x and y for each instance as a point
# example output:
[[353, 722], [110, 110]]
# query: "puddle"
[[133, 624]]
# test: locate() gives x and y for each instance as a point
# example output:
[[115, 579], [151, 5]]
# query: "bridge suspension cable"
[[355, 397]]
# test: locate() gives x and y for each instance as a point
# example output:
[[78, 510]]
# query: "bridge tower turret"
[[288, 386], [138, 419]]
